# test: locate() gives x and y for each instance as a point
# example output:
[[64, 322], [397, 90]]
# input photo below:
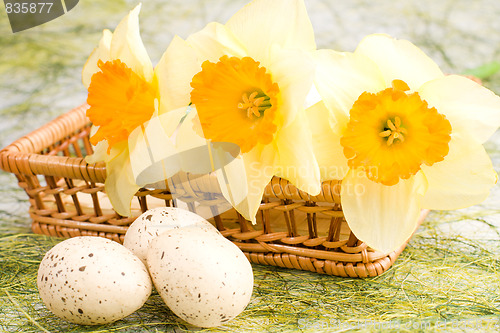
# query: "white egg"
[[92, 280], [202, 277], [156, 221]]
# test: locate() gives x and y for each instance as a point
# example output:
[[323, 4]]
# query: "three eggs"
[[201, 276]]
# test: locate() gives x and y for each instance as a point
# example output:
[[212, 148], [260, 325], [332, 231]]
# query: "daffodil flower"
[[248, 81], [124, 95], [403, 135]]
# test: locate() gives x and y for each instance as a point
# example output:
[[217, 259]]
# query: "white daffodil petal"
[[174, 73], [326, 144], [341, 78], [263, 23], [384, 217], [463, 179], [467, 105], [120, 184], [296, 161], [399, 59], [102, 52], [295, 84], [126, 45], [214, 41]]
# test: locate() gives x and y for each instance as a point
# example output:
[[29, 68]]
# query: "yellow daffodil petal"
[[399, 59], [215, 41], [259, 169], [262, 23], [233, 186], [170, 122], [463, 179], [326, 144], [102, 153], [242, 178], [384, 217], [102, 52], [191, 145], [313, 97], [467, 105], [126, 45], [153, 154], [174, 81], [341, 78], [295, 84], [182, 60], [100, 149], [120, 184], [98, 155], [197, 155], [190, 134], [295, 157]]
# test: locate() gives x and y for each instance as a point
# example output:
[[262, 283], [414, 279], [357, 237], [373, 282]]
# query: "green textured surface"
[[449, 271]]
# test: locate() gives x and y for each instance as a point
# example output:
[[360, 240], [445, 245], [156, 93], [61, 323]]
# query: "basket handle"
[[22, 157]]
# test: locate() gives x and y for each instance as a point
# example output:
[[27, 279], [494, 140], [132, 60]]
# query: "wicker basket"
[[293, 230]]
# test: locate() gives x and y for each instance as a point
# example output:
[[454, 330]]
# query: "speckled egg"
[[92, 280], [202, 277], [156, 221]]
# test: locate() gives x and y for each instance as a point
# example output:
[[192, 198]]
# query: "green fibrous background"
[[447, 279]]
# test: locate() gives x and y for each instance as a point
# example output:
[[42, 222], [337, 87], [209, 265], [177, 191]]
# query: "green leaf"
[[484, 71]]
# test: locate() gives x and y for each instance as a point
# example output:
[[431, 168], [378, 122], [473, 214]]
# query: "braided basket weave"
[[293, 230]]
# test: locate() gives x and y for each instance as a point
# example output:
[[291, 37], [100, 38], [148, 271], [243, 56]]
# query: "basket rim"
[[23, 155]]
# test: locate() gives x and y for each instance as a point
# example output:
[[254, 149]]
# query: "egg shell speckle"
[[203, 278], [92, 280], [154, 222]]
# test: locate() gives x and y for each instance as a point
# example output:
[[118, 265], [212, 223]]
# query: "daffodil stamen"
[[392, 133], [255, 104], [222, 90]]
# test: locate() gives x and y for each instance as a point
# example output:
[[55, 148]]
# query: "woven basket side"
[[49, 165], [293, 230]]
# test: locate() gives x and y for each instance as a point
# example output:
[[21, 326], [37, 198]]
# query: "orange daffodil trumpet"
[[124, 95], [247, 82], [403, 135]]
